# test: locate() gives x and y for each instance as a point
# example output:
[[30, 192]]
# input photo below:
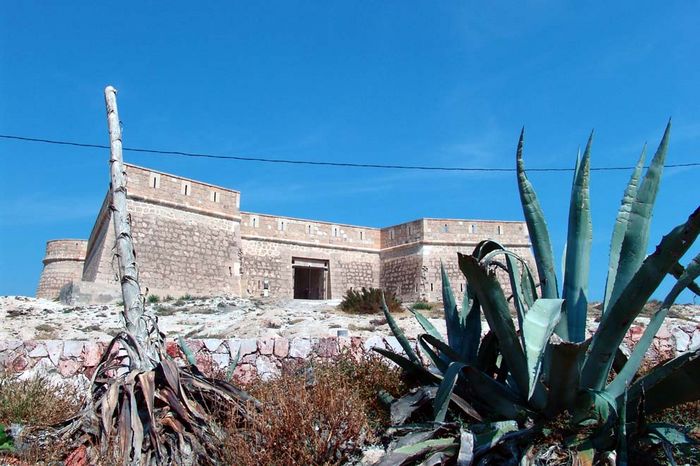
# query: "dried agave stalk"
[[142, 407]]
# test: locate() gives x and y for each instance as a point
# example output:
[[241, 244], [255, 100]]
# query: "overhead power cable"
[[315, 162]]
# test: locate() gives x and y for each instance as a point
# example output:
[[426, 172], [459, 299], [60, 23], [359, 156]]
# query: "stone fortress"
[[192, 238]]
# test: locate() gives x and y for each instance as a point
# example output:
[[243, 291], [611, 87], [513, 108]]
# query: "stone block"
[[281, 348], [68, 367], [266, 346], [221, 360], [54, 348], [327, 347], [248, 346], [372, 342], [244, 373], [266, 368], [300, 348], [681, 339], [73, 349], [234, 346], [393, 344], [212, 344], [92, 352], [695, 340], [39, 351]]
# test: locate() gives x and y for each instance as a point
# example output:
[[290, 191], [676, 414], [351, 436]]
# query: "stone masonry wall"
[[272, 261], [402, 271], [309, 232], [76, 360], [63, 263]]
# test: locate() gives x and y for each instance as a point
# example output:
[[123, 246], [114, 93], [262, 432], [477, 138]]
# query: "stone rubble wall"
[[76, 360]]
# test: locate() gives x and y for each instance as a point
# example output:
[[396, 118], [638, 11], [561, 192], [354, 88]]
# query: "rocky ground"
[[25, 318]]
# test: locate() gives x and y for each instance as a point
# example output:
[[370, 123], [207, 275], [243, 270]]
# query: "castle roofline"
[[311, 220], [203, 183]]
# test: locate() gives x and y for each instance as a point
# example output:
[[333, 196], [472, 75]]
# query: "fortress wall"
[[473, 231], [308, 231], [402, 269], [403, 233], [178, 252], [175, 191], [63, 264], [434, 254], [271, 260]]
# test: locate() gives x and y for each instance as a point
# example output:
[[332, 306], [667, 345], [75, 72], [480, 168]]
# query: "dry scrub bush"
[[37, 402], [317, 413], [34, 404]]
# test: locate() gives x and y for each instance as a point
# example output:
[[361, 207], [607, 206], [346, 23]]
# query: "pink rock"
[[172, 349], [281, 348], [356, 342], [244, 373], [249, 358], [91, 354], [68, 367], [19, 364], [663, 333], [266, 346], [344, 344], [195, 345], [327, 347]]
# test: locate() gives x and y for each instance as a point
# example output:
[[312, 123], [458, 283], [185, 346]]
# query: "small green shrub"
[[153, 298], [168, 298], [421, 306], [186, 297], [369, 301]]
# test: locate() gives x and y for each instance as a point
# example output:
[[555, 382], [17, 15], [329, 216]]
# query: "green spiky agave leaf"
[[414, 369], [519, 282], [537, 227], [439, 360], [615, 323], [497, 314], [471, 333], [621, 223], [572, 325], [498, 400], [452, 321], [425, 323], [562, 374], [538, 326], [634, 244], [398, 333], [442, 397], [674, 382], [625, 376]]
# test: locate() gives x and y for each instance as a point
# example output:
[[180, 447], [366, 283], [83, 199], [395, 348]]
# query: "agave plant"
[[530, 372]]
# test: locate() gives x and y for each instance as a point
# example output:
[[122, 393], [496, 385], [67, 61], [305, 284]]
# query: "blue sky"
[[439, 83]]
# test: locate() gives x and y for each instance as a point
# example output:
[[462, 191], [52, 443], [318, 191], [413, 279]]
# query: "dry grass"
[[36, 402], [318, 413], [33, 404]]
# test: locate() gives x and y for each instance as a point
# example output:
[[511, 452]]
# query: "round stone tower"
[[63, 264]]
